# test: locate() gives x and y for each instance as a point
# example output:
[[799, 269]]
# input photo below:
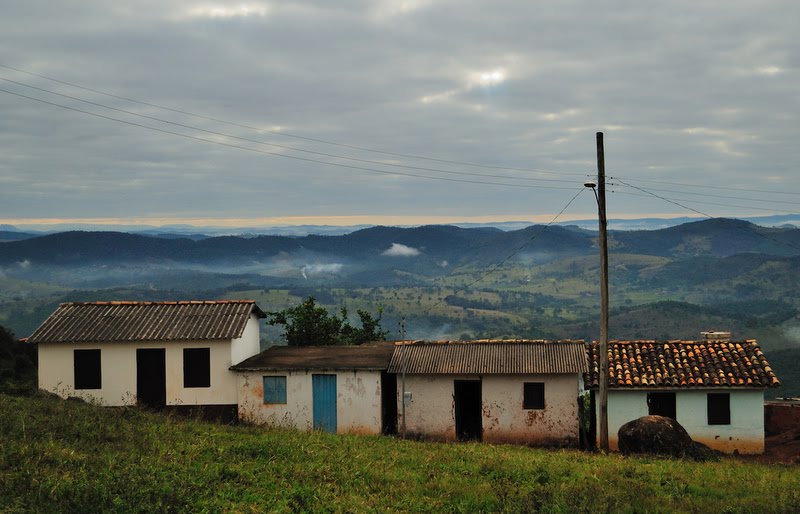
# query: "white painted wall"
[[248, 345], [118, 373], [358, 400], [431, 412], [745, 434]]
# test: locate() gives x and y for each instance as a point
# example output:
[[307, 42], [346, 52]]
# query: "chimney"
[[716, 336]]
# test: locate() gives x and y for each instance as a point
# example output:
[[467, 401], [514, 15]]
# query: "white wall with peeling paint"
[[745, 434], [118, 370], [358, 400], [431, 412]]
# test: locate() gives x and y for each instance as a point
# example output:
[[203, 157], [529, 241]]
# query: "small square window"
[[533, 395], [662, 404], [87, 369], [719, 409], [274, 389], [196, 367]]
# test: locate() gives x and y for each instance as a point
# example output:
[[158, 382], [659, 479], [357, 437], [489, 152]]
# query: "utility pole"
[[603, 237], [403, 374]]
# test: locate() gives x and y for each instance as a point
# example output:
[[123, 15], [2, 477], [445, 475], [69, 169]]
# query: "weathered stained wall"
[[431, 412], [118, 373], [745, 434], [358, 400]]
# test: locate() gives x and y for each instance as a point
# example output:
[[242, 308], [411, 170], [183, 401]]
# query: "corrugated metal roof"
[[490, 357], [364, 357], [106, 322], [682, 364]]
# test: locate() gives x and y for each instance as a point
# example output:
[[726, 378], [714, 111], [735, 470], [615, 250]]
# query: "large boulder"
[[659, 435]]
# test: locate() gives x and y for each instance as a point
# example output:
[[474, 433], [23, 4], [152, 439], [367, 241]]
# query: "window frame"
[[196, 368], [718, 413], [533, 396], [277, 390], [657, 398], [87, 367]]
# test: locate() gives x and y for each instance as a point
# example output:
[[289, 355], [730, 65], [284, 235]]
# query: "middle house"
[[519, 391]]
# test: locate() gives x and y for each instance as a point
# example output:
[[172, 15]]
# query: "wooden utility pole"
[[603, 236]]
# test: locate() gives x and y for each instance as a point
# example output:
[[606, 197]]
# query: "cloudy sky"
[[408, 111]]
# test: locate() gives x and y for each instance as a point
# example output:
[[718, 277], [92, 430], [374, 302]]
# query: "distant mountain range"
[[11, 232], [427, 245]]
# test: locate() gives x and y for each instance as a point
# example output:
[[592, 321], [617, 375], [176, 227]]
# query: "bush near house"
[[69, 456], [17, 365]]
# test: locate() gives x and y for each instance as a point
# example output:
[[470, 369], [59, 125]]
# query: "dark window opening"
[[196, 367], [533, 395], [87, 369], [661, 404], [719, 409]]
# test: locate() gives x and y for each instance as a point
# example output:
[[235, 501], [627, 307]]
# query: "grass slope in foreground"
[[60, 455]]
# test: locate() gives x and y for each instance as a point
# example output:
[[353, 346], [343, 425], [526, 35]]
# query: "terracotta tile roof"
[[108, 322], [364, 357], [682, 364], [490, 357]]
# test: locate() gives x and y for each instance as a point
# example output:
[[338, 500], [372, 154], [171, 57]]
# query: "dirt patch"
[[779, 449]]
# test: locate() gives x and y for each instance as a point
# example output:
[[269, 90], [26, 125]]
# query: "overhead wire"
[[265, 152], [715, 187], [675, 200], [276, 145], [712, 195], [759, 234], [283, 133]]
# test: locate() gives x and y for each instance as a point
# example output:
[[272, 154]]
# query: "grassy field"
[[68, 456]]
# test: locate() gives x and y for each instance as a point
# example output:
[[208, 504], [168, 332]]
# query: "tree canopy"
[[308, 324]]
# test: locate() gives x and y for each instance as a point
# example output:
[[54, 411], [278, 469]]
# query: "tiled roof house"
[[714, 388]]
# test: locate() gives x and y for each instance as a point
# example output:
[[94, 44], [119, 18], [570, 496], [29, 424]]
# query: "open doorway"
[[151, 378], [467, 395]]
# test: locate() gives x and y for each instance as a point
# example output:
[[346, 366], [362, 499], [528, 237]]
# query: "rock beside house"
[[659, 435]]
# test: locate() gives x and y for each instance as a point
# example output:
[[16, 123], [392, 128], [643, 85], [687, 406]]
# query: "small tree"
[[308, 324]]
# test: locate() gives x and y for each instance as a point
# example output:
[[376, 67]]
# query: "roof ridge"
[[164, 302]]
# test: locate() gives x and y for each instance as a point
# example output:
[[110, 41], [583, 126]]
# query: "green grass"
[[68, 456]]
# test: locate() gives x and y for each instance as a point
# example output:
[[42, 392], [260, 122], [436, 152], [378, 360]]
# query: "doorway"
[[467, 395], [151, 378], [324, 398], [388, 403]]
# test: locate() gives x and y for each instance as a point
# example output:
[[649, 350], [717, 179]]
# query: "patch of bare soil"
[[780, 449]]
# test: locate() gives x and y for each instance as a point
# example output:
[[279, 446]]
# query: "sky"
[[395, 112]]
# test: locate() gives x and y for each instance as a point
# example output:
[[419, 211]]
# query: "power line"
[[675, 200], [759, 234], [255, 141], [711, 195], [286, 134], [265, 152], [724, 188]]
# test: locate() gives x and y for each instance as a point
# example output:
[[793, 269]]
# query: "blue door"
[[324, 391]]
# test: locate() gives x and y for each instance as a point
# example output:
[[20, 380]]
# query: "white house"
[[152, 353], [713, 388], [518, 391], [339, 389]]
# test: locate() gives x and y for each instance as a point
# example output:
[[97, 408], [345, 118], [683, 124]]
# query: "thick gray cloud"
[[689, 92]]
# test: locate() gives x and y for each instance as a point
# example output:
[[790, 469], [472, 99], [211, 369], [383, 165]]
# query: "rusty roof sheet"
[[682, 364], [521, 356], [108, 322], [374, 356]]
